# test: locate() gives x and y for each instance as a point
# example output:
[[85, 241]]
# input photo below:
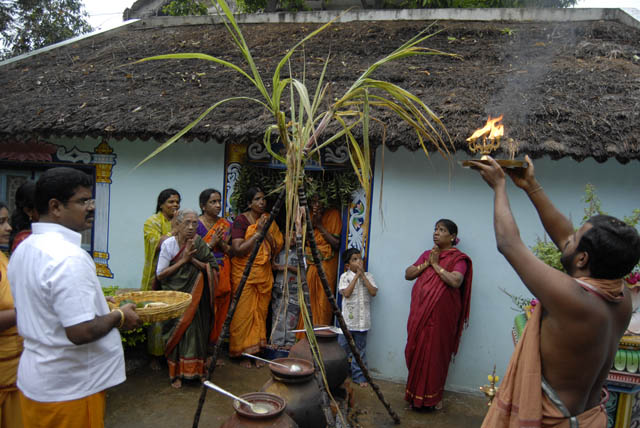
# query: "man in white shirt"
[[72, 347]]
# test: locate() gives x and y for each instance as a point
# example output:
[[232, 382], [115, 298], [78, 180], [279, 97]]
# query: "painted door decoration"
[[42, 155]]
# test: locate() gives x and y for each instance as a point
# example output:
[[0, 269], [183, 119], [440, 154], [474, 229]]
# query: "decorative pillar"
[[104, 160]]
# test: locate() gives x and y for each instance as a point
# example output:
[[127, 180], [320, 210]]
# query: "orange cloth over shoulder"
[[520, 401], [248, 331], [320, 306], [222, 294]]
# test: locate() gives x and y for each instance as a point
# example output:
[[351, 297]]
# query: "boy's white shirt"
[[356, 309]]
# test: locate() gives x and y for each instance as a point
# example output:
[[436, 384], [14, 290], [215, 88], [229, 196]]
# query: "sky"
[[107, 14]]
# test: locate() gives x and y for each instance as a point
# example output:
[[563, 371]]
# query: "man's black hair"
[[347, 254], [613, 247], [59, 183], [164, 195]]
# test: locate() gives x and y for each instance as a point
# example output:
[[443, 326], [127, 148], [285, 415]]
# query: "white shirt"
[[54, 284], [356, 309], [168, 251]]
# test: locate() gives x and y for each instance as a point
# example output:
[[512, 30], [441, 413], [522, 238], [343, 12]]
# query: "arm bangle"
[[122, 317], [537, 189]]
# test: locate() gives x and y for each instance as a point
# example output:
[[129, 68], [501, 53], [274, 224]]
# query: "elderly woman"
[[439, 310], [186, 264], [216, 232], [249, 325], [10, 342]]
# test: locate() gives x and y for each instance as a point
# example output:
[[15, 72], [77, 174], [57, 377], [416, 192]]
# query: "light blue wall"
[[188, 167], [416, 193]]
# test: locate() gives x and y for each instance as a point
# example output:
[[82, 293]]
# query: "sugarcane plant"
[[301, 126]]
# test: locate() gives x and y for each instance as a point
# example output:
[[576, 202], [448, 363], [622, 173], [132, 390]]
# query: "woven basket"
[[177, 302]]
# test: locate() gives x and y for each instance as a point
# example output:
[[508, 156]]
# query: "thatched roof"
[[566, 89]]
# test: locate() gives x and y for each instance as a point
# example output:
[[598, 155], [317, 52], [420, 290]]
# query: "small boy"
[[357, 287]]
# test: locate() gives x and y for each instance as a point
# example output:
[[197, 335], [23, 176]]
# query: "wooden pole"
[[326, 408], [336, 311], [232, 307]]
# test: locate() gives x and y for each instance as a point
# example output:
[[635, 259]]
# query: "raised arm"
[[555, 223], [556, 290]]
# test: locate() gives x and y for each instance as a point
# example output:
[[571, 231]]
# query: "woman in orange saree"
[[248, 332], [327, 227], [440, 302], [216, 232]]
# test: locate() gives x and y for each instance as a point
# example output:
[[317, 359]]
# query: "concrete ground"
[[147, 400]]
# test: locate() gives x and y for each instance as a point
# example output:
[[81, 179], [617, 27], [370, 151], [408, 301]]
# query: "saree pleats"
[[248, 331]]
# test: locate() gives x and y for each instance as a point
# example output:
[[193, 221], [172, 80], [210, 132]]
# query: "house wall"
[[188, 167], [416, 193]]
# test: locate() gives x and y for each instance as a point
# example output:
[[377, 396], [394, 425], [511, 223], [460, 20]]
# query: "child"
[[357, 287]]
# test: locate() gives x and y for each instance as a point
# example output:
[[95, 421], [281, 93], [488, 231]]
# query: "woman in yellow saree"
[[248, 332], [10, 341], [157, 229]]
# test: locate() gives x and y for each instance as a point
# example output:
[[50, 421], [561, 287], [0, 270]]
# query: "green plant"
[[334, 188], [547, 251], [129, 338], [185, 8]]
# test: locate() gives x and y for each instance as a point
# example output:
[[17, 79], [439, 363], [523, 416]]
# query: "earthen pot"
[[299, 389], [275, 417], [334, 357]]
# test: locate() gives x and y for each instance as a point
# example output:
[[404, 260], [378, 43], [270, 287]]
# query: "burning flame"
[[490, 130]]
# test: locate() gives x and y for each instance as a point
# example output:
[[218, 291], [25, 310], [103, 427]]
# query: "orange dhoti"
[[248, 331], [87, 412]]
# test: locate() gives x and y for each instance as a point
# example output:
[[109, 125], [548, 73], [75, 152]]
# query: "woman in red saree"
[[216, 232], [439, 311], [187, 264]]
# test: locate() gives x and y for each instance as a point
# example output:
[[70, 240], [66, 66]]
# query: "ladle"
[[292, 367], [261, 410], [331, 328]]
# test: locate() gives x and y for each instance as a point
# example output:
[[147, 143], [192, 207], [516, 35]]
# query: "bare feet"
[[155, 364], [363, 384], [246, 363], [438, 406], [260, 364], [177, 384]]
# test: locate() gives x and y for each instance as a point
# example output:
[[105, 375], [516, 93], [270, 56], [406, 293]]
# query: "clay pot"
[[334, 357], [275, 417], [299, 389]]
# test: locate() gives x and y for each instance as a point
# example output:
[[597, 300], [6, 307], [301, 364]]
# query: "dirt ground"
[[147, 400]]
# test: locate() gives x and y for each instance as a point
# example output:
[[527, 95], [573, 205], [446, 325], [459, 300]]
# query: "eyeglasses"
[[85, 202]]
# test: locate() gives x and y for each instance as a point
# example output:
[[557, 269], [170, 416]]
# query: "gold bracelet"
[[122, 317], [441, 271], [537, 189]]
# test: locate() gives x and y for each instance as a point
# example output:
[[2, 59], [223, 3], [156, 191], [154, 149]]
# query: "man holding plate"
[[72, 347]]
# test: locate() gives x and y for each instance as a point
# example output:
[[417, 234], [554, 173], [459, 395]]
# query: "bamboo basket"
[[177, 302]]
